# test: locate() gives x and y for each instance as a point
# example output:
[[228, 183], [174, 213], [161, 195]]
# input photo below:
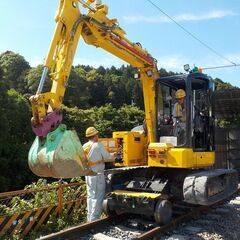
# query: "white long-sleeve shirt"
[[97, 153]]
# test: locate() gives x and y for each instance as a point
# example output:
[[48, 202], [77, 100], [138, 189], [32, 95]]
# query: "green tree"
[[127, 77], [116, 92], [130, 117], [101, 70], [77, 119], [219, 84], [231, 121], [3, 118], [105, 118], [14, 68], [15, 126], [96, 88], [164, 73], [33, 77], [77, 93], [108, 119]]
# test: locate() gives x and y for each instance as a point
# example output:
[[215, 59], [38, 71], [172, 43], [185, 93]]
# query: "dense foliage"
[[38, 199], [108, 98]]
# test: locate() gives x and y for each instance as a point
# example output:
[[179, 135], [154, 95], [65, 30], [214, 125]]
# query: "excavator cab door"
[[202, 113], [194, 129], [170, 127]]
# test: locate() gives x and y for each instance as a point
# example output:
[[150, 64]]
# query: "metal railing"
[[28, 209]]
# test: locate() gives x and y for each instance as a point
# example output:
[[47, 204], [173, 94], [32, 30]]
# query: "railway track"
[[130, 227]]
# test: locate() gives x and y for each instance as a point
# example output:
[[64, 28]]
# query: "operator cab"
[[194, 129]]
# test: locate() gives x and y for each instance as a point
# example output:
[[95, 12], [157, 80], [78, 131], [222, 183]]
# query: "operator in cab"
[[179, 116], [96, 155]]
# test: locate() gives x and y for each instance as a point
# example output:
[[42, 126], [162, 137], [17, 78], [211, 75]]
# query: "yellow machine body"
[[135, 152], [165, 155], [132, 146], [136, 194]]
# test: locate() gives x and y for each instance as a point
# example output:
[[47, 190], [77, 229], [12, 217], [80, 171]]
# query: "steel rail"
[[196, 212], [83, 229], [175, 222]]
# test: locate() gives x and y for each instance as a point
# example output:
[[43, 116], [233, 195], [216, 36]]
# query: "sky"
[[27, 28]]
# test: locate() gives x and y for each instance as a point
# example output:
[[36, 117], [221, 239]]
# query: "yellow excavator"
[[159, 164]]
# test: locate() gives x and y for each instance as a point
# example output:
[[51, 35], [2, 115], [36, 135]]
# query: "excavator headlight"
[[186, 67]]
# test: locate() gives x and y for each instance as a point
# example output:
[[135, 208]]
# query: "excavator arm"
[[98, 30]]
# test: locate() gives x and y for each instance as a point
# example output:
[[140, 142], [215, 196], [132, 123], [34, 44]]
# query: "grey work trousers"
[[95, 196]]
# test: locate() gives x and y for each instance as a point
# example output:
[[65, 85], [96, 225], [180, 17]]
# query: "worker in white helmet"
[[179, 116], [96, 155]]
